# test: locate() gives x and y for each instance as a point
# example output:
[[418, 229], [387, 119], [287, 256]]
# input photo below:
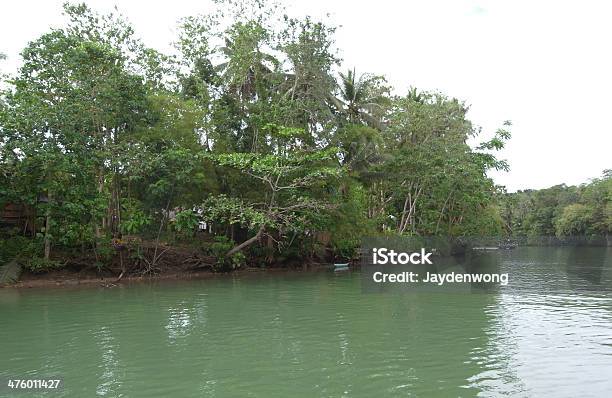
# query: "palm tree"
[[415, 96], [247, 68], [363, 99], [248, 74]]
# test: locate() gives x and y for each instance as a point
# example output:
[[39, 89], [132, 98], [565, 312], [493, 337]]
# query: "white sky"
[[545, 65]]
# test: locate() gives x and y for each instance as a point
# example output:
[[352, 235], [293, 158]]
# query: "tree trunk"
[[246, 243], [98, 229], [47, 228], [442, 212]]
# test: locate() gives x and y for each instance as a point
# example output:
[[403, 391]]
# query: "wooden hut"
[[18, 216]]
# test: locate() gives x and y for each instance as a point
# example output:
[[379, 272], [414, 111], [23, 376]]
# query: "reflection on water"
[[316, 334], [179, 323], [109, 383], [550, 335], [557, 346]]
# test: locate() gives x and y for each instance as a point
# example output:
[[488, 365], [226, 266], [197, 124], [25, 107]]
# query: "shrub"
[[133, 218], [186, 222], [219, 249], [345, 248], [40, 265], [20, 247]]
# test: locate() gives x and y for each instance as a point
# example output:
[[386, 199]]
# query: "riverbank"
[[136, 261], [66, 278]]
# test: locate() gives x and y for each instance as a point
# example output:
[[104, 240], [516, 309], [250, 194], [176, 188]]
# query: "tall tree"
[[364, 99]]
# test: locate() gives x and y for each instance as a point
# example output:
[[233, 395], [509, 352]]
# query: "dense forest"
[[247, 142], [560, 211]]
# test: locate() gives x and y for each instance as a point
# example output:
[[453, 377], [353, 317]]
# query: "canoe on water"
[[500, 247]]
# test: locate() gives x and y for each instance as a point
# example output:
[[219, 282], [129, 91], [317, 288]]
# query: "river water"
[[316, 334]]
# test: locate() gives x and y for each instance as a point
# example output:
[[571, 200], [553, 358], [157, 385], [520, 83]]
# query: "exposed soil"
[[176, 263]]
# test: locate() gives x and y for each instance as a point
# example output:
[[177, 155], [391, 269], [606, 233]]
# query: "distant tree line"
[[561, 211]]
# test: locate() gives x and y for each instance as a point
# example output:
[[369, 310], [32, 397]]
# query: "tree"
[[102, 136], [247, 68], [575, 219], [310, 85], [562, 210], [288, 180], [363, 99], [429, 177], [73, 105]]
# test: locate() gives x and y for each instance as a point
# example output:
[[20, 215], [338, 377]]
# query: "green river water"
[[315, 334]]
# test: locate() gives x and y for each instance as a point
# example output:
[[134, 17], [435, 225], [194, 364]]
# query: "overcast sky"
[[545, 65]]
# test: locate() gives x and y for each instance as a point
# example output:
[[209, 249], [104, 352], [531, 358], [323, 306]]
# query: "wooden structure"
[[18, 216], [10, 272]]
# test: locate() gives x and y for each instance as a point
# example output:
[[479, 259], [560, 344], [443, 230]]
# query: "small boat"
[[503, 246], [341, 266]]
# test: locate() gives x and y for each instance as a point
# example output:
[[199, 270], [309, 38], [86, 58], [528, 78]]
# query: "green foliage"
[[252, 123], [348, 222], [41, 265], [346, 248], [27, 252], [13, 247], [424, 179], [133, 218], [104, 252], [487, 222], [221, 208], [564, 211], [219, 248], [575, 219], [238, 260], [186, 222]]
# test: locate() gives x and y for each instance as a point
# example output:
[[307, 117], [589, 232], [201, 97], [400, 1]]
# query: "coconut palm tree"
[[362, 99], [247, 68]]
